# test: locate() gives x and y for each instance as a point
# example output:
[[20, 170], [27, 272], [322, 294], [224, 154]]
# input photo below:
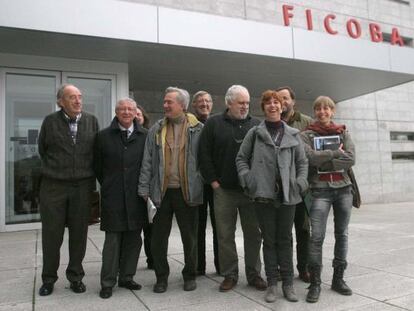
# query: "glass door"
[[98, 92], [29, 97]]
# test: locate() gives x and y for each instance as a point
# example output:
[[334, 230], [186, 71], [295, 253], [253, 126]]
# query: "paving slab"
[[16, 286], [403, 302], [382, 286], [26, 306], [376, 306]]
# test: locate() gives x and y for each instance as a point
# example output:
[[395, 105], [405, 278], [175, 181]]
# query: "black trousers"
[[120, 256], [187, 220], [64, 204], [202, 224], [276, 223], [147, 243], [302, 237]]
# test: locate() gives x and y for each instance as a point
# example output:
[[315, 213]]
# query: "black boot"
[[338, 283], [315, 286]]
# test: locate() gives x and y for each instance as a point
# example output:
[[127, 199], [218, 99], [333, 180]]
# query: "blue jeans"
[[341, 201]]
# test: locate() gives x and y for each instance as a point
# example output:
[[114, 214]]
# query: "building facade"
[[359, 52]]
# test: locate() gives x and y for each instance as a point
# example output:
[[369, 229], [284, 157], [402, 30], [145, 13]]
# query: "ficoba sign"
[[353, 26]]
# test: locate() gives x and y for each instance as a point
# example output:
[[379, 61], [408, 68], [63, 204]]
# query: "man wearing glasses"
[[202, 104], [219, 144], [66, 150]]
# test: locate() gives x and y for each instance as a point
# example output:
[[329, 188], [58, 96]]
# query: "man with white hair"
[[118, 153], [219, 145], [170, 178]]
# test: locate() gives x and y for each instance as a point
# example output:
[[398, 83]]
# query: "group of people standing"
[[230, 163]]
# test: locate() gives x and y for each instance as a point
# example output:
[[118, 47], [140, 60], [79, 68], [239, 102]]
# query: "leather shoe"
[[46, 289], [289, 293], [77, 287], [105, 292], [227, 284], [258, 283], [270, 295], [304, 276], [160, 287], [131, 284], [190, 285]]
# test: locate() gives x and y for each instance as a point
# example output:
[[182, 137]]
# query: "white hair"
[[233, 91], [182, 95]]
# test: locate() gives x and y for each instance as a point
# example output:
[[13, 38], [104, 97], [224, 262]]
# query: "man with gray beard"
[[219, 144]]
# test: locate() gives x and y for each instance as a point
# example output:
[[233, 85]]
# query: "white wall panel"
[[101, 18], [223, 33]]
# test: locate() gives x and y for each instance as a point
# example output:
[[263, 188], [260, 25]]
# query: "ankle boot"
[[315, 286], [338, 283]]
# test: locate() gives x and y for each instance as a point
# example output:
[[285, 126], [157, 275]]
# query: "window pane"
[[96, 94], [29, 98]]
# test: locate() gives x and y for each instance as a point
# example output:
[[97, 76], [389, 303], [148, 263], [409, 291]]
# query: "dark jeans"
[[302, 237], [276, 222], [187, 220], [64, 204], [202, 224], [322, 200], [120, 256]]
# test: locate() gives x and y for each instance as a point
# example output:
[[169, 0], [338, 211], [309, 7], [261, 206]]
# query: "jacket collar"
[[191, 119], [137, 127], [289, 138], [227, 118]]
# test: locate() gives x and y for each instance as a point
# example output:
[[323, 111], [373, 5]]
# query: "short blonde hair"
[[323, 101]]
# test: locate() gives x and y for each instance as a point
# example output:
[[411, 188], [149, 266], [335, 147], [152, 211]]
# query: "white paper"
[[151, 209]]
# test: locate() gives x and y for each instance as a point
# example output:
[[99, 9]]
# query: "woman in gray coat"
[[273, 170]]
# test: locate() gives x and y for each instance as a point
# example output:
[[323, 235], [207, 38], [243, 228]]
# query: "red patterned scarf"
[[331, 129]]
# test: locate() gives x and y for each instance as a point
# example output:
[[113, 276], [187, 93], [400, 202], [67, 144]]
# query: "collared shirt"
[[73, 125], [129, 129]]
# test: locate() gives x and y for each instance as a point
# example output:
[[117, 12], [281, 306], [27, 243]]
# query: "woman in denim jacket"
[[331, 153], [273, 169]]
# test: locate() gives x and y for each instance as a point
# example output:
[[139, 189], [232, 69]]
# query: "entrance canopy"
[[201, 51]]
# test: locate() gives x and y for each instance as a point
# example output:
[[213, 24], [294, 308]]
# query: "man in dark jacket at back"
[[299, 121], [118, 155]]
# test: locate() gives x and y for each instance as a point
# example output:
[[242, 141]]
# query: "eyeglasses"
[[126, 109], [245, 104]]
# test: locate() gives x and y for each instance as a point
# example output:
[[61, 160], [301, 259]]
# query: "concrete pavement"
[[380, 272]]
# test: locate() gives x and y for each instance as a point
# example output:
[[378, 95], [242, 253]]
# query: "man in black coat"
[[118, 154]]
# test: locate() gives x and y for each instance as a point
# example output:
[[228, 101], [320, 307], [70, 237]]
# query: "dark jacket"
[[259, 160], [152, 173], [61, 158], [117, 165], [299, 121], [219, 144]]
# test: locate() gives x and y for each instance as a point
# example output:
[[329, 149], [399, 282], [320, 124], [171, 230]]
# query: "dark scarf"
[[276, 131], [331, 129]]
